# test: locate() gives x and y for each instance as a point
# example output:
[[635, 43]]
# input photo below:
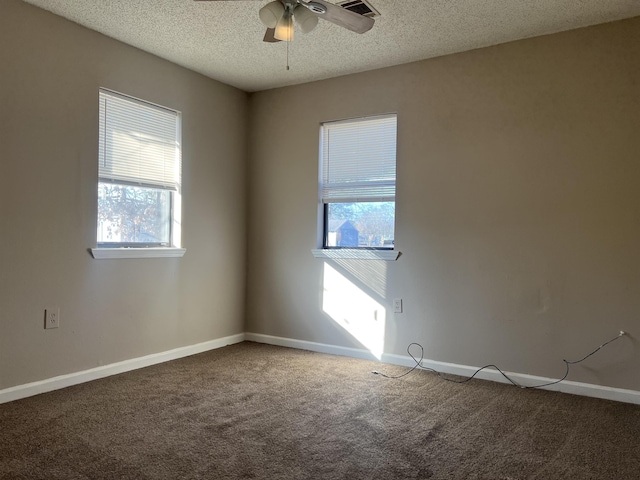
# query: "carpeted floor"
[[264, 412]]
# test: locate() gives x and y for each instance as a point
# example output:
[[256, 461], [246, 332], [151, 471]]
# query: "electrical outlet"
[[397, 305], [51, 317]]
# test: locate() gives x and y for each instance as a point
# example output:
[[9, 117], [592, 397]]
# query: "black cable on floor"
[[418, 365]]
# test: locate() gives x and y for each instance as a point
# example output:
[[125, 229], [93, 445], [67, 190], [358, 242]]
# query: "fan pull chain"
[[288, 42]]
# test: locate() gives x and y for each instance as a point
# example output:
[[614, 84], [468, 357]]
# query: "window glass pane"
[[128, 214], [360, 224]]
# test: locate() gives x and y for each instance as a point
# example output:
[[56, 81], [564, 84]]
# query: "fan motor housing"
[[316, 7]]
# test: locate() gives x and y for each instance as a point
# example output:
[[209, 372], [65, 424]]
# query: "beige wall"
[[518, 205], [111, 310]]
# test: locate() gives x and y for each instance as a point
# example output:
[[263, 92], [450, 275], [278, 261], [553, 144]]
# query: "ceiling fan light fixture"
[[284, 28], [271, 13], [306, 20]]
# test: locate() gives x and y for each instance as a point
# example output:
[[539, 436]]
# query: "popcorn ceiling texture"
[[223, 39]]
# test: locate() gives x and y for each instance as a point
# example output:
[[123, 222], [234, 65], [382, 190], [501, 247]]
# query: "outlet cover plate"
[[51, 317], [397, 305]]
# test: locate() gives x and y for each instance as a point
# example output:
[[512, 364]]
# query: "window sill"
[[356, 254], [150, 252]]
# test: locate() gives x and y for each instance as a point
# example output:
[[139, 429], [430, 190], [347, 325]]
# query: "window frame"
[[105, 250], [325, 231], [370, 252], [144, 244]]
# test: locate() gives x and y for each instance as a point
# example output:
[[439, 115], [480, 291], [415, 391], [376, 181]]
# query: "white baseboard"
[[566, 386], [62, 381], [312, 346]]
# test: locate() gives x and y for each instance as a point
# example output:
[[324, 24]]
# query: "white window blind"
[[359, 160], [139, 143]]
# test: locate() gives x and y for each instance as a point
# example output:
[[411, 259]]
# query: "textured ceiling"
[[223, 39]]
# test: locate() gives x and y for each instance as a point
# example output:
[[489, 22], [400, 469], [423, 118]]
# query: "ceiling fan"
[[279, 15]]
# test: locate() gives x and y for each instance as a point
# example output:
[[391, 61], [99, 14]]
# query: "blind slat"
[[359, 160], [139, 143]]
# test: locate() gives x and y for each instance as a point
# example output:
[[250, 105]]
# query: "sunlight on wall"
[[371, 272], [354, 310]]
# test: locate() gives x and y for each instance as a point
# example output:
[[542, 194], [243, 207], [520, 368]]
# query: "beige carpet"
[[263, 412]]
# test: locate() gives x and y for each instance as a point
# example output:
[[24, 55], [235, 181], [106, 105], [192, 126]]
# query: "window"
[[139, 173], [358, 182]]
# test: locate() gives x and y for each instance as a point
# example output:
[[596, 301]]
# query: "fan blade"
[[269, 36], [343, 17]]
